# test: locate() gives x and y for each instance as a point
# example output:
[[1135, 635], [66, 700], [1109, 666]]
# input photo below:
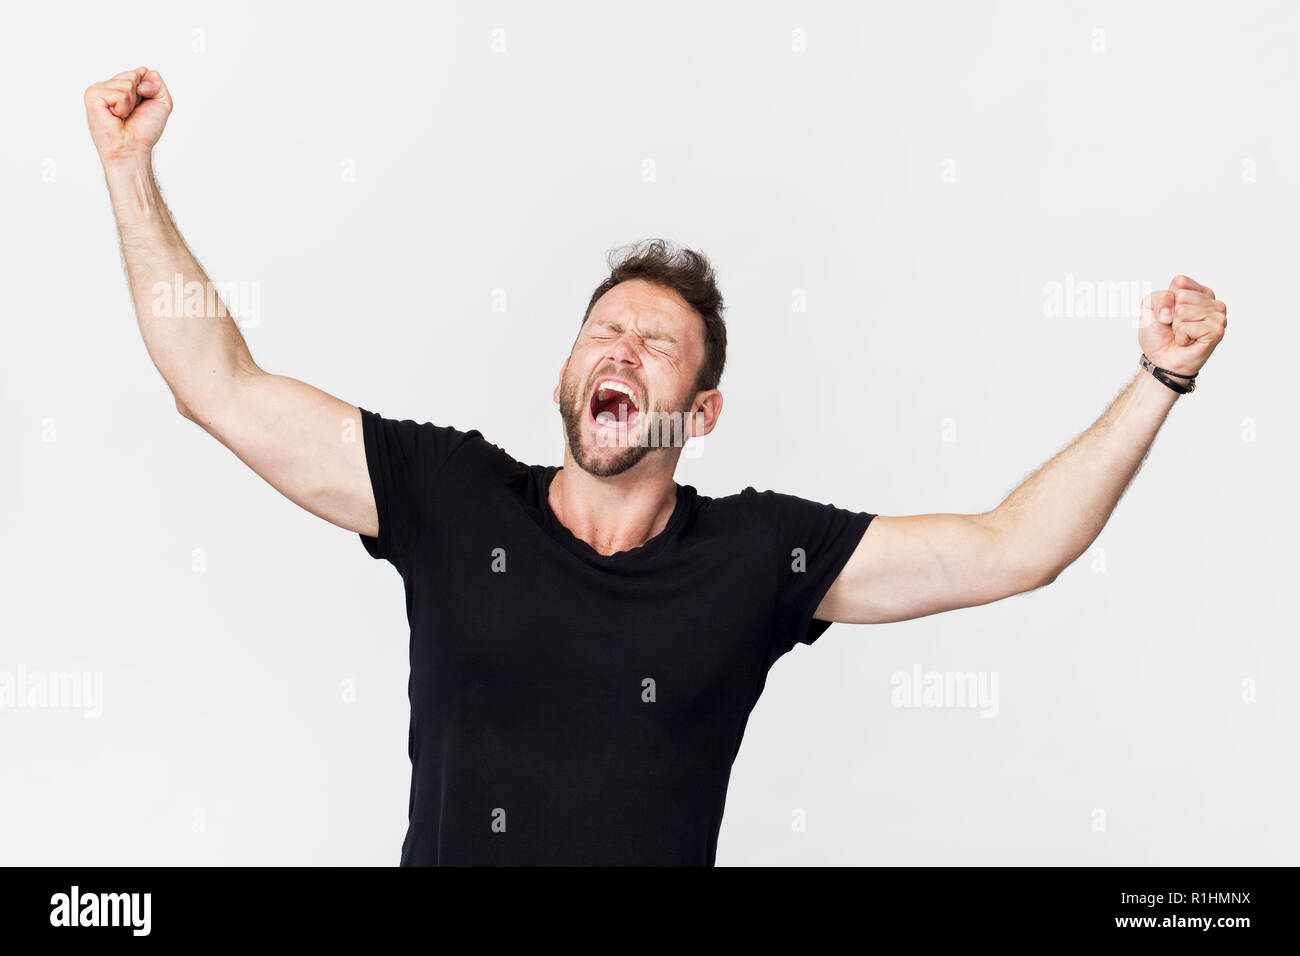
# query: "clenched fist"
[[1180, 327], [127, 113]]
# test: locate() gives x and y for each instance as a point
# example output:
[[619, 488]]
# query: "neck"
[[613, 514]]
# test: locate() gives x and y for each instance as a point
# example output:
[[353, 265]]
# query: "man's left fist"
[[1180, 328]]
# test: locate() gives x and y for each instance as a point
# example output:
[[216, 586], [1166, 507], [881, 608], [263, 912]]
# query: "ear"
[[555, 395], [704, 413]]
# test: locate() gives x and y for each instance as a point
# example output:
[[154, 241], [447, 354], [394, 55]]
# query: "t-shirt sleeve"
[[404, 459], [813, 541]]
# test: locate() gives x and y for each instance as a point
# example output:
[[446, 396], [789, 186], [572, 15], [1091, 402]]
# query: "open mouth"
[[614, 403]]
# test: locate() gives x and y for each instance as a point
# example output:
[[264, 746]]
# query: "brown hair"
[[690, 275]]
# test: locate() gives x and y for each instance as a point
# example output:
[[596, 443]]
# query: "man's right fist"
[[127, 113]]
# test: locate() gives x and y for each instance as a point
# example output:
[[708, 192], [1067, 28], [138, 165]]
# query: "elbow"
[[1038, 578], [1020, 573], [184, 410], [1022, 566], [1024, 578]]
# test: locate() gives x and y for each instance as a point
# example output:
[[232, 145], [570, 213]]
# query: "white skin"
[[306, 443], [619, 492]]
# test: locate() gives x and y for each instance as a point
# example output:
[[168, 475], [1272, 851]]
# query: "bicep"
[[911, 566], [304, 442]]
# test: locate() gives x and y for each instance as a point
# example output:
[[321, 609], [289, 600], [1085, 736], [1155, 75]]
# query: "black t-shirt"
[[573, 708]]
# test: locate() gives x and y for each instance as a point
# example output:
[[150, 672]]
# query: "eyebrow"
[[656, 334]]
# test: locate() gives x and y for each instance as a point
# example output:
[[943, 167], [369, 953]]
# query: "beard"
[[603, 461]]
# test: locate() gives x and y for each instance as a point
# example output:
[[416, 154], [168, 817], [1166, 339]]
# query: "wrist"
[[1172, 383], [131, 187], [127, 162]]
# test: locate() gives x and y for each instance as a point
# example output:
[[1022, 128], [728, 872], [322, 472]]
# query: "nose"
[[625, 350]]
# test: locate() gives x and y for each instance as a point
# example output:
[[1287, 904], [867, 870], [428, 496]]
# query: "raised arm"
[[914, 565], [305, 443]]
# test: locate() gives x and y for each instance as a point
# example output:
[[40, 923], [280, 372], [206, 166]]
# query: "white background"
[[922, 172]]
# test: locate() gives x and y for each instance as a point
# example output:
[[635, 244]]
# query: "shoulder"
[[429, 447], [748, 510], [763, 505], [793, 520]]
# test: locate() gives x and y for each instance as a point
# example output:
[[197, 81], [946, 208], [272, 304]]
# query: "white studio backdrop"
[[932, 225]]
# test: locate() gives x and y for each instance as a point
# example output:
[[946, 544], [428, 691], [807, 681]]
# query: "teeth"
[[617, 387]]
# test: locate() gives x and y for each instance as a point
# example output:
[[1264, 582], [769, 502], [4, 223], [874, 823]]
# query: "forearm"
[[197, 355], [1055, 514]]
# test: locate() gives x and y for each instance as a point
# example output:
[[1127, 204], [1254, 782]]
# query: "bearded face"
[[629, 382], [610, 420]]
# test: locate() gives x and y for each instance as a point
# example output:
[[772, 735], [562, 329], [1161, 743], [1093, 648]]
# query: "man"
[[588, 640]]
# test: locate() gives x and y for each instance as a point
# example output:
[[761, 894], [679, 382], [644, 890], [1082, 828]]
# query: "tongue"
[[614, 410]]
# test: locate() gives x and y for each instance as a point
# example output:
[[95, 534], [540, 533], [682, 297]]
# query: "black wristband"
[[1165, 377], [1178, 387]]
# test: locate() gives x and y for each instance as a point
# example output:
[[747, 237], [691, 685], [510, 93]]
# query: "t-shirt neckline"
[[558, 530]]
